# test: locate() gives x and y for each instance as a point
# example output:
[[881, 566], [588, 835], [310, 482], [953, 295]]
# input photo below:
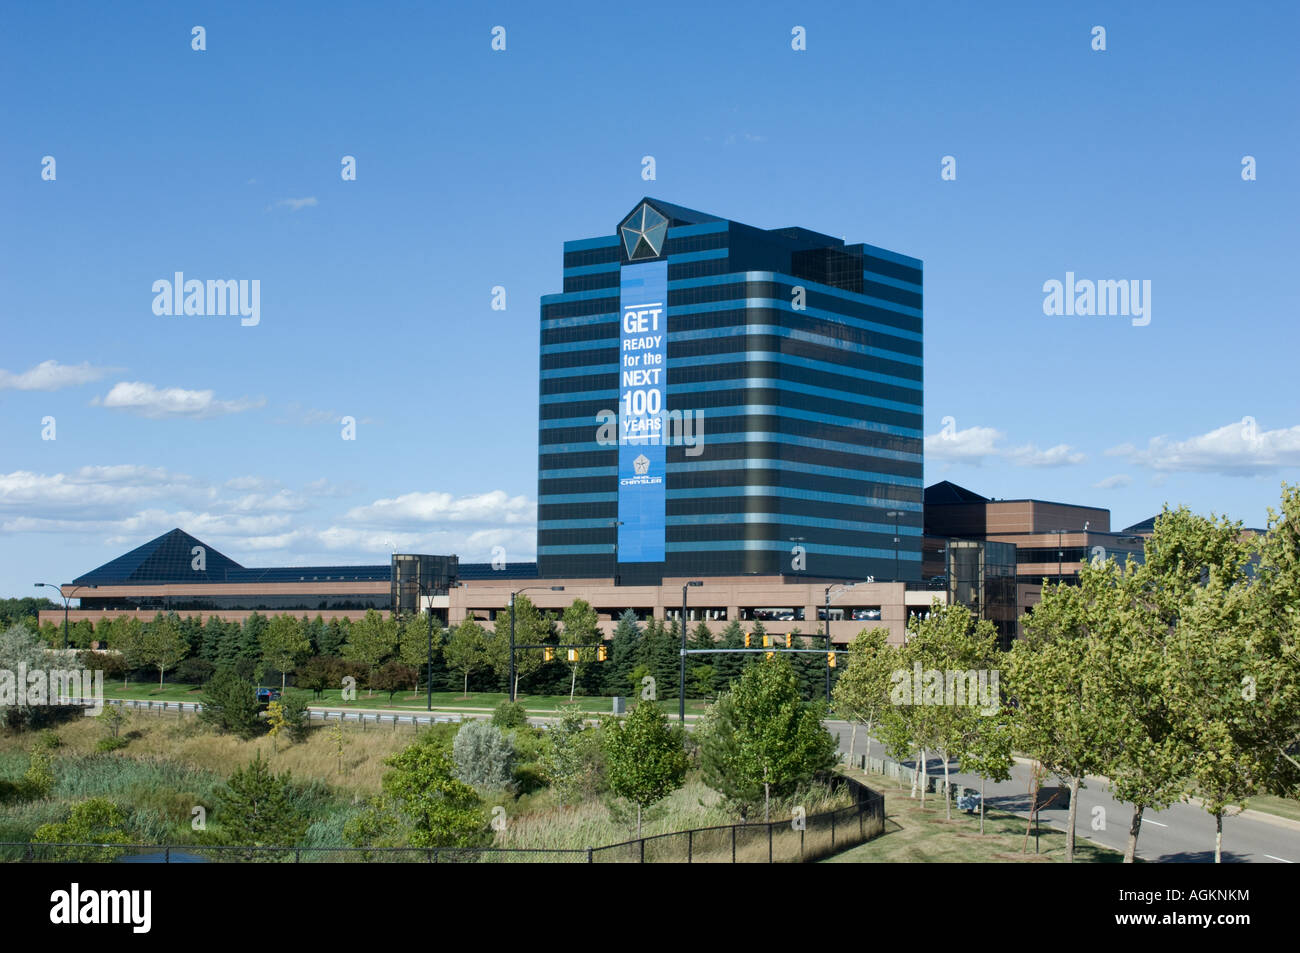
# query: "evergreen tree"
[[255, 808], [248, 661], [622, 652], [214, 634], [766, 737], [333, 638]]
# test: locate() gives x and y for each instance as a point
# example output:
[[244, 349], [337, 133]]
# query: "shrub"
[[293, 705], [193, 671], [230, 705], [111, 744], [97, 821], [38, 782], [509, 715], [484, 756], [577, 764]]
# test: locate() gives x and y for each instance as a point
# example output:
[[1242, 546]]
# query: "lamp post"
[[513, 596], [845, 587], [65, 605], [681, 688], [895, 515], [616, 524]]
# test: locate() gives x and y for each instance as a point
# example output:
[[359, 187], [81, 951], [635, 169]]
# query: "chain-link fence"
[[795, 840]]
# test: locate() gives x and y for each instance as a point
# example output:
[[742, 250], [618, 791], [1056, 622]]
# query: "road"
[[1181, 833]]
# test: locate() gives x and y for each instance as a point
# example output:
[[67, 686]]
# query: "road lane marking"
[[1281, 859], [1156, 823]]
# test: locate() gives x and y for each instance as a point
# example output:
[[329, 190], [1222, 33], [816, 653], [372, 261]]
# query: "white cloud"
[[1236, 449], [107, 493], [1113, 482], [258, 521], [51, 375], [295, 205], [971, 445], [146, 400], [492, 507], [1061, 455]]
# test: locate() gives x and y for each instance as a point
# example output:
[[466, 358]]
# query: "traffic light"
[[830, 659], [548, 654], [602, 654], [573, 655], [747, 637], [767, 644]]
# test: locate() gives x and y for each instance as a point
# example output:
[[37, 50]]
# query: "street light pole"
[[894, 515], [828, 647], [513, 596], [681, 687], [429, 679], [616, 524], [65, 606]]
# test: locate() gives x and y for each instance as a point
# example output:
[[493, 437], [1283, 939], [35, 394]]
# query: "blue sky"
[[474, 166]]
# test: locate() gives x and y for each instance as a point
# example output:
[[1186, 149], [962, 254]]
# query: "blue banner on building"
[[643, 393]]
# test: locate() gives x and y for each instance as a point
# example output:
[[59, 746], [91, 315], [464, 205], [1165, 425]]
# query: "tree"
[[644, 757], [256, 808], [1274, 625], [778, 741], [229, 704], [163, 645], [95, 822], [861, 695], [315, 675], [466, 650], [484, 755], [963, 651], [284, 644], [531, 628], [333, 637], [1060, 717], [391, 677], [129, 640], [577, 759], [623, 652], [721, 762], [370, 641], [19, 648], [1151, 762], [276, 721], [581, 626], [294, 711], [414, 647], [422, 803]]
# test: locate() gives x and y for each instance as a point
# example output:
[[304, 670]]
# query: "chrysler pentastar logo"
[[643, 233], [641, 464]]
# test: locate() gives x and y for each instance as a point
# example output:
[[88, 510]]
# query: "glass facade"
[[414, 576], [792, 391], [978, 574]]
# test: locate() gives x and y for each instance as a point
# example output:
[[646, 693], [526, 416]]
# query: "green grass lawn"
[[1277, 806], [442, 701], [916, 835]]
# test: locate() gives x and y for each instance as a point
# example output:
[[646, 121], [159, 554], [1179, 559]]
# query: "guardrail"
[[414, 720]]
